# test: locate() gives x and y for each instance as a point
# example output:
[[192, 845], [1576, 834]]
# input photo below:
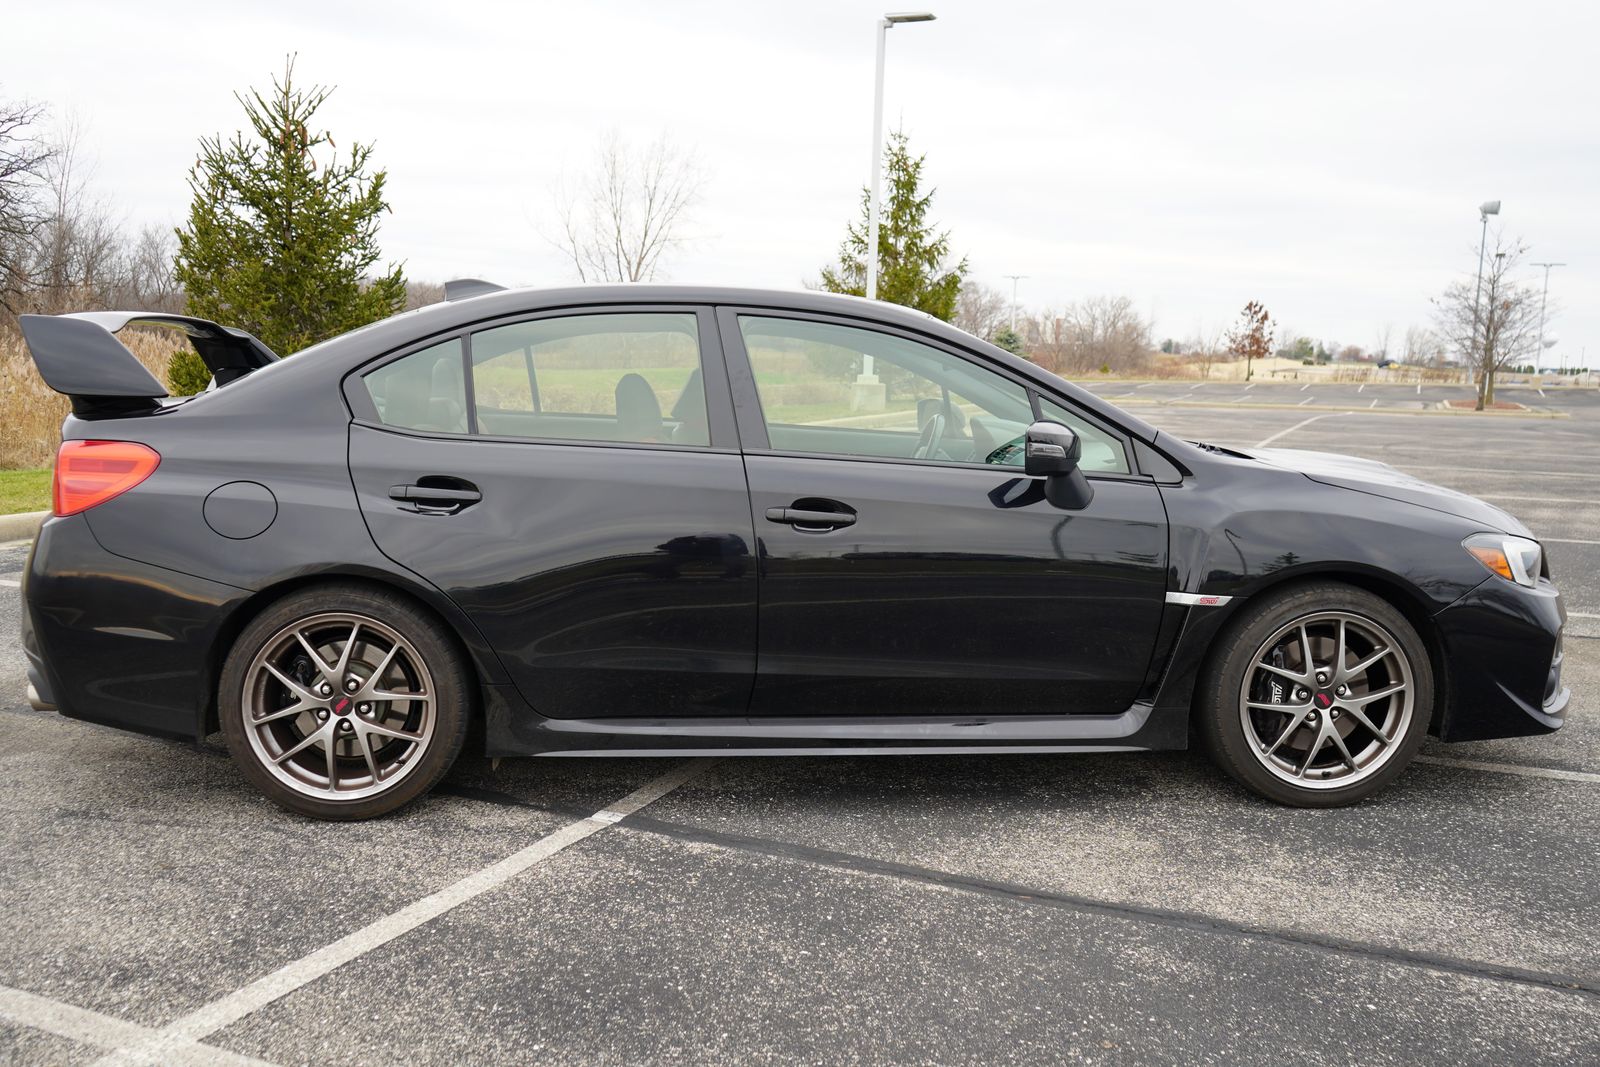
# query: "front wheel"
[[343, 702], [1318, 697]]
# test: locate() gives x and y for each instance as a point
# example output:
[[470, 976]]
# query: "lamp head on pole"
[[1487, 208], [894, 18]]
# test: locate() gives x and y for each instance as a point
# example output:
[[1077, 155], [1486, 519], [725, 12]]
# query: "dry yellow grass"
[[31, 414]]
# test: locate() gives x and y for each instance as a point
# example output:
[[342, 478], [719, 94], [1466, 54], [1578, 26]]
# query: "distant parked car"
[[642, 520], [1385, 364]]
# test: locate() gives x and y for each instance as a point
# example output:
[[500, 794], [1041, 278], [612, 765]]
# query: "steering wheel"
[[928, 440]]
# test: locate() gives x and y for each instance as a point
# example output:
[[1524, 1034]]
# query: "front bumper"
[[1502, 657]]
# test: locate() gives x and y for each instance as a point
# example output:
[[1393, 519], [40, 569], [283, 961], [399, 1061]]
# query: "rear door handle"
[[809, 517], [436, 498]]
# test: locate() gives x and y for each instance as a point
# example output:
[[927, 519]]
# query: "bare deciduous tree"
[[1205, 350], [1380, 350], [146, 277], [981, 310], [1096, 332], [629, 211], [421, 294], [23, 157], [80, 253], [1422, 346], [1495, 325]]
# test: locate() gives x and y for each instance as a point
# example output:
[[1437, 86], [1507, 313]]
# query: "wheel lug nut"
[[322, 715], [1334, 714], [345, 725], [324, 689], [352, 685]]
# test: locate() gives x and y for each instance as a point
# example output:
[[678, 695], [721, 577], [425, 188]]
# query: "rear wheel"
[[1318, 697], [343, 702]]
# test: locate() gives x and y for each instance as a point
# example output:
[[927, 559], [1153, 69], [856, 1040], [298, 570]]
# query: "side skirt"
[[512, 729]]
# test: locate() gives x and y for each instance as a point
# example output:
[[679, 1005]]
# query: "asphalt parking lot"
[[1318, 394], [1109, 909]]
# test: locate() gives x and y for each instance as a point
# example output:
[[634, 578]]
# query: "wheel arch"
[[453, 623], [1400, 594]]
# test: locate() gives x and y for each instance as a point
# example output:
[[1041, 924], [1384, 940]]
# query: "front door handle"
[[813, 518], [438, 499]]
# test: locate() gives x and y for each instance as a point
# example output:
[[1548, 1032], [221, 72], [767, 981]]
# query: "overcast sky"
[[1326, 159]]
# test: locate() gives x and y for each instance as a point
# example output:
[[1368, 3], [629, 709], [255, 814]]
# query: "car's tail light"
[[92, 472]]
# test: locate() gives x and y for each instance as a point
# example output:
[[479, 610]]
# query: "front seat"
[[638, 410], [690, 411], [445, 410]]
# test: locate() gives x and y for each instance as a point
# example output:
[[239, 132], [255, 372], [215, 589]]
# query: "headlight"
[[1516, 559]]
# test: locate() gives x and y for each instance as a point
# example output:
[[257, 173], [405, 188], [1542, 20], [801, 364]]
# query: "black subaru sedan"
[[664, 520]]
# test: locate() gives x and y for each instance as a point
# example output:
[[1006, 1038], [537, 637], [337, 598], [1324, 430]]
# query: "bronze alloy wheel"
[[344, 701], [339, 706], [1326, 699]]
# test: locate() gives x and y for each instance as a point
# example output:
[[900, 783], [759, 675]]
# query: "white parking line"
[[1306, 401], [1146, 385], [1249, 387], [1373, 404], [104, 1031], [1511, 768], [1582, 615], [1541, 392], [1567, 541], [1518, 471], [1296, 426], [208, 1019], [1304, 387], [14, 584], [1362, 387], [1419, 388], [1546, 499]]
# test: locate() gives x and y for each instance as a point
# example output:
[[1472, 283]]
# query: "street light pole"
[[869, 392], [1485, 209], [1543, 299], [884, 25], [1015, 278]]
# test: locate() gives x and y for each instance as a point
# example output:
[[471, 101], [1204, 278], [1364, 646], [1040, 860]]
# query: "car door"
[[572, 481], [908, 566]]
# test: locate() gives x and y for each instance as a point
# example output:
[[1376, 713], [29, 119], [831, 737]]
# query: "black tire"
[[448, 713], [1222, 718]]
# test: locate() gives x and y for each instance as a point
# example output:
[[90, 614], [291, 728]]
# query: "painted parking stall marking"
[[87, 1027], [1553, 773], [157, 1048]]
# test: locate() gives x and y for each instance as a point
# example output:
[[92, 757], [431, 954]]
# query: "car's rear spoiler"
[[77, 355]]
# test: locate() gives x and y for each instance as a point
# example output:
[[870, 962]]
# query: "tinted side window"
[[422, 391], [626, 377], [848, 391]]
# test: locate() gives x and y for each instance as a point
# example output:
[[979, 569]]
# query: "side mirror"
[[1052, 450]]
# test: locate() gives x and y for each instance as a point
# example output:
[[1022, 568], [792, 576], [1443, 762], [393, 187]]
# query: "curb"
[[21, 527]]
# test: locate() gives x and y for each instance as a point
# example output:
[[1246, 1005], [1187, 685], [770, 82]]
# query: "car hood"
[[1380, 479]]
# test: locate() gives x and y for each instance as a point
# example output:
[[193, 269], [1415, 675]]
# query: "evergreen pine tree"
[[913, 267], [278, 241]]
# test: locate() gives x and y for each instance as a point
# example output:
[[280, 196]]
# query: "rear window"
[[422, 391]]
